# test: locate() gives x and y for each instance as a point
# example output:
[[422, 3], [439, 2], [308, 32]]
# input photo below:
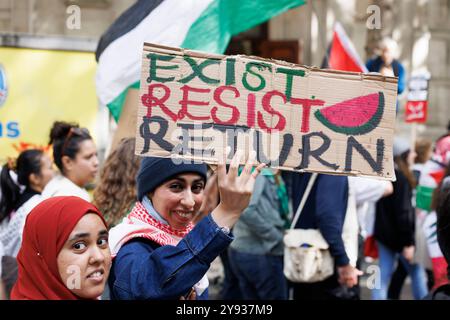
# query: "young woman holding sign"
[[158, 252]]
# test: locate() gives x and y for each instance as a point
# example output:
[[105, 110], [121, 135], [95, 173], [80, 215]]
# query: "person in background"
[[386, 63], [367, 192], [3, 295], [431, 175], [75, 155], [259, 241], [395, 227], [442, 200], [325, 209], [64, 253], [158, 252], [34, 170], [115, 192], [423, 149]]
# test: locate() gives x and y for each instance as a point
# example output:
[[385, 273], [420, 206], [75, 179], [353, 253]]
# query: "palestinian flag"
[[205, 25], [342, 55]]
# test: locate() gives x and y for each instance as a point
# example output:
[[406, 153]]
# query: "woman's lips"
[[97, 276], [184, 215]]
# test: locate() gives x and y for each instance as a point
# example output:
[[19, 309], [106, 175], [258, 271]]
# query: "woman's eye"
[[176, 187], [197, 188], [79, 246], [102, 242]]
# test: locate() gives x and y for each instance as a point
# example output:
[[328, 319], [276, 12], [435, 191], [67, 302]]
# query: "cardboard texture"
[[192, 105]]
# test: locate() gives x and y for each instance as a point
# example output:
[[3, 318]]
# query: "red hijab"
[[47, 228]]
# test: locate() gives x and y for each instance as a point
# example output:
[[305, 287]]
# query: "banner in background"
[[39, 87], [417, 106]]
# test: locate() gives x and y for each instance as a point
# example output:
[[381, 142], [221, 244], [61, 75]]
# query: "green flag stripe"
[[212, 31]]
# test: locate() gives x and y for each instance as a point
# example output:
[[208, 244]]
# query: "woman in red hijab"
[[64, 253]]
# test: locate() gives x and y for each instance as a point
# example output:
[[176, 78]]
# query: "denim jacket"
[[145, 270]]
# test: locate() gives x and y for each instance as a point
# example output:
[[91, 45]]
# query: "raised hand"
[[235, 190]]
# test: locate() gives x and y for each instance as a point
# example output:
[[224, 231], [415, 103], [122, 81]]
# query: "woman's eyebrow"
[[179, 179], [87, 234], [79, 235]]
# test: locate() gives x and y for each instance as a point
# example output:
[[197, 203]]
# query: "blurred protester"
[[395, 227], [432, 174], [64, 254], [115, 193], [33, 169], [3, 295], [442, 199], [159, 254], [326, 210], [386, 63], [367, 192], [75, 155], [423, 149], [259, 241]]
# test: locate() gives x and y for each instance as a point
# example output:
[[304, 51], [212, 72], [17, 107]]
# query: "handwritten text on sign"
[[294, 117]]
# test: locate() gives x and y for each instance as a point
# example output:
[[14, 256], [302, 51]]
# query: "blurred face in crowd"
[[84, 167], [39, 181], [85, 259], [179, 199], [387, 55]]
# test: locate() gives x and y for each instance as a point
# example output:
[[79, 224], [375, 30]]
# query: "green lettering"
[[260, 66], [230, 80], [290, 73], [197, 70], [153, 59]]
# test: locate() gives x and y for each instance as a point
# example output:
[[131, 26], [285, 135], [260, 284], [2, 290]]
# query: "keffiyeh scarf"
[[141, 224]]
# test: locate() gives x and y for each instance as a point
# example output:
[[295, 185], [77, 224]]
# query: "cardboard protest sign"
[[192, 104], [416, 108]]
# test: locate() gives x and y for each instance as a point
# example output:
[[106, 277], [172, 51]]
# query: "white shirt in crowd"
[[367, 192], [11, 229], [61, 186]]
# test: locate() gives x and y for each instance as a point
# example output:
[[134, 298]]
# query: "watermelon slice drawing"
[[355, 116]]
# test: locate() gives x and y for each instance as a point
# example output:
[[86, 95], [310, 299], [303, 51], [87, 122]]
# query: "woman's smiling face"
[[85, 259], [179, 199]]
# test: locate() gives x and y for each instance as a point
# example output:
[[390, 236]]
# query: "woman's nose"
[[97, 256], [188, 199]]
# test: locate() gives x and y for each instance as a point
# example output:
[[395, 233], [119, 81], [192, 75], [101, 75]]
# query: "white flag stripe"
[[348, 45], [167, 24]]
